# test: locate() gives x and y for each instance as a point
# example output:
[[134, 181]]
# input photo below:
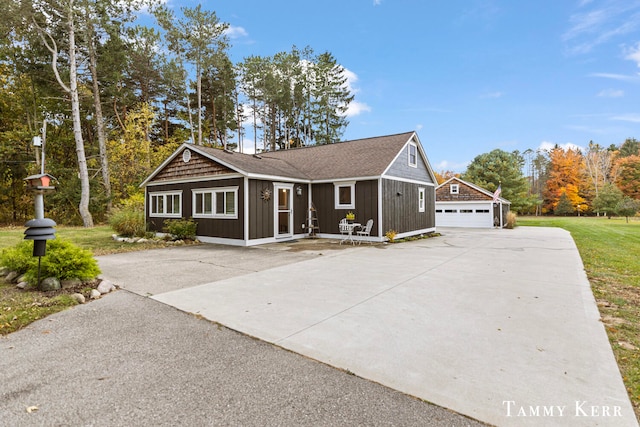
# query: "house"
[[463, 204], [244, 199]]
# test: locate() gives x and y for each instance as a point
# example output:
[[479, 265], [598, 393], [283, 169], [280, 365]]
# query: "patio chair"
[[366, 231], [345, 229]]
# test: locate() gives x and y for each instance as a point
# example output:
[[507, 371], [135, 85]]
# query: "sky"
[[469, 76]]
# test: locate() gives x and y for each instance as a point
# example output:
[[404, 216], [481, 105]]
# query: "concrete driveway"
[[499, 325]]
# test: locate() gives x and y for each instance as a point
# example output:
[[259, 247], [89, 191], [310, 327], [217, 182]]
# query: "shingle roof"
[[357, 158]]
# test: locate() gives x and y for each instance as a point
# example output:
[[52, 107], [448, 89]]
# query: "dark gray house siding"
[[225, 228], [400, 210], [366, 205]]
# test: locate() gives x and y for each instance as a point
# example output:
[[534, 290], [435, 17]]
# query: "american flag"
[[496, 194]]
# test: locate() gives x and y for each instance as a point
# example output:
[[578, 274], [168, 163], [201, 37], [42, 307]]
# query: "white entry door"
[[283, 210]]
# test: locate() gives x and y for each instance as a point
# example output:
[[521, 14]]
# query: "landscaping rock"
[[22, 285], [70, 283], [4, 271], [95, 294], [21, 279], [78, 297], [50, 284], [13, 275], [142, 240], [106, 286]]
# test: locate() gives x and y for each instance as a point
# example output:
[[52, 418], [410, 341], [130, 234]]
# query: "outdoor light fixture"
[[299, 190]]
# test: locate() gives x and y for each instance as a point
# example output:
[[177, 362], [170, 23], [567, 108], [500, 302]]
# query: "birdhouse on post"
[[40, 182], [40, 229]]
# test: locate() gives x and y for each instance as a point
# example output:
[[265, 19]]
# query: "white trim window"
[[454, 188], [421, 199], [220, 202], [166, 204], [413, 155], [345, 195]]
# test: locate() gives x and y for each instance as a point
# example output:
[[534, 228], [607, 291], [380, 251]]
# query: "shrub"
[[511, 219], [391, 235], [63, 260], [181, 228], [128, 222]]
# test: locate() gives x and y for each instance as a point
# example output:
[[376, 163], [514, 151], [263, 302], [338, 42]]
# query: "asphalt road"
[[127, 360]]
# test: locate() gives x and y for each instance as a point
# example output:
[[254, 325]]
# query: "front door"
[[284, 210]]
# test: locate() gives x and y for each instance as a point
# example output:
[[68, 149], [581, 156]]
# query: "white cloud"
[[611, 93], [548, 146], [620, 77], [236, 32], [377, 2], [633, 117], [355, 108], [633, 54], [496, 94], [419, 127]]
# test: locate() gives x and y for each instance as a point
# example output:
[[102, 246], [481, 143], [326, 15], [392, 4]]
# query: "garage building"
[[463, 204]]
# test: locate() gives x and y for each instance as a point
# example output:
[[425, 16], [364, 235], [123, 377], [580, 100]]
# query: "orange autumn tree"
[[566, 170], [627, 173]]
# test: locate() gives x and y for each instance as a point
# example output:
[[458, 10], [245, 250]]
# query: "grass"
[[609, 249], [98, 239]]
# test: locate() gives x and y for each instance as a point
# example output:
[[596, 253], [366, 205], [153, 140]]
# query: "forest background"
[[112, 99]]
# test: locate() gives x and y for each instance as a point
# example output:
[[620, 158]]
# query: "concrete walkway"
[[500, 325]]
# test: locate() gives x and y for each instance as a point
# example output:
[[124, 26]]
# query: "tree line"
[[562, 181], [117, 97]]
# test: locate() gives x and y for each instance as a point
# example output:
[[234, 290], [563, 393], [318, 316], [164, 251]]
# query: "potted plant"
[[350, 217]]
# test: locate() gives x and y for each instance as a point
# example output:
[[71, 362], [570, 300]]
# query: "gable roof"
[[470, 185], [367, 157]]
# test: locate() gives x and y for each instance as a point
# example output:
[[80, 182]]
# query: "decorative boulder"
[[106, 286], [13, 275], [95, 294], [78, 297], [49, 284]]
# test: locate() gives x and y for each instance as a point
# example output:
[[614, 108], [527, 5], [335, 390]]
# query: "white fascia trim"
[[350, 179], [410, 181], [277, 178], [195, 179], [461, 202]]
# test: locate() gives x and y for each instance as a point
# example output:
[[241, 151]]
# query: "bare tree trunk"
[[72, 90], [85, 193], [102, 140]]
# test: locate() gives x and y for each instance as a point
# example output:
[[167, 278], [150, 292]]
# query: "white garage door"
[[464, 215]]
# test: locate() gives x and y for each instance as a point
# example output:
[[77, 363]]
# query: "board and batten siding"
[[400, 211], [224, 228], [366, 205]]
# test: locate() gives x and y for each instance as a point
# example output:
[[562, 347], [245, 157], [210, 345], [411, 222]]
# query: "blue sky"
[[469, 76]]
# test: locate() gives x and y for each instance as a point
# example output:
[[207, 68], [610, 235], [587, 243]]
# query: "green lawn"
[[97, 239], [610, 249]]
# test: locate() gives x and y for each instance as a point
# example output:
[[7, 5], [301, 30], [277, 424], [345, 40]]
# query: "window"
[[450, 211], [216, 203], [482, 210], [454, 188], [466, 210], [438, 210], [167, 204], [345, 195], [413, 155], [421, 202]]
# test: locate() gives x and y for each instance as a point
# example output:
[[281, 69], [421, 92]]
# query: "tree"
[[565, 177], [627, 207], [564, 206], [498, 167], [64, 15], [598, 162], [331, 99], [607, 199], [628, 175], [200, 39], [630, 147]]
